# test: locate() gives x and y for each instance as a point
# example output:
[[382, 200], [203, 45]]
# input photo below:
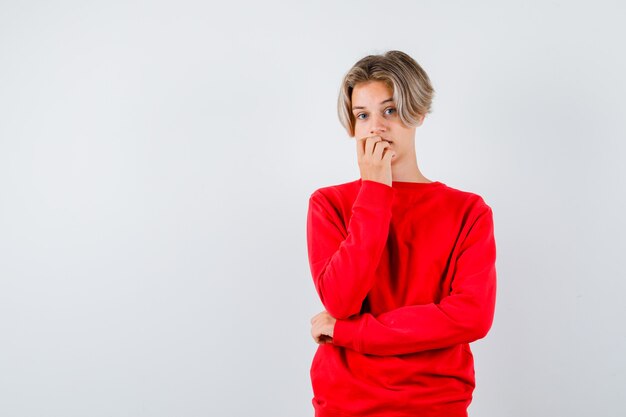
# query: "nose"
[[377, 124]]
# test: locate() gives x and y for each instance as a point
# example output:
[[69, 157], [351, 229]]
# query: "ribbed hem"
[[457, 409]]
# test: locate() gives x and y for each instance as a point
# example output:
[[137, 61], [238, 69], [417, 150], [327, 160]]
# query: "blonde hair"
[[412, 90]]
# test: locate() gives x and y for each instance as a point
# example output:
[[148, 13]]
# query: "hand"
[[374, 158], [323, 327]]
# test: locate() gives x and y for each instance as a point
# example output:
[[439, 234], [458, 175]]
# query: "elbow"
[[336, 304], [338, 308], [341, 311], [480, 326], [482, 314]]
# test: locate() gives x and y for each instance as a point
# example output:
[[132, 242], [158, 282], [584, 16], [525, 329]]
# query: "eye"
[[358, 116]]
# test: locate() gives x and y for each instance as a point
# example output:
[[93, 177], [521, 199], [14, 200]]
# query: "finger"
[[318, 338], [360, 145], [370, 143], [314, 318], [389, 155], [380, 148]]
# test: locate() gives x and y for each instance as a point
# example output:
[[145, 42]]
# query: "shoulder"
[[466, 201], [336, 194]]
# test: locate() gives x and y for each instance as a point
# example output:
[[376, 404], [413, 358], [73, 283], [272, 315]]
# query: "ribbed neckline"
[[408, 185], [415, 185]]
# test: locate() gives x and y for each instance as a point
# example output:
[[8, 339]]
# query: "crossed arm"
[[344, 280]]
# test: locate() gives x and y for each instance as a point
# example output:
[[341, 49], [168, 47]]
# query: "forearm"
[[343, 263], [416, 328]]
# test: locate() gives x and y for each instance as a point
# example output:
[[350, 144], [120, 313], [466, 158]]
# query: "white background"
[[156, 160]]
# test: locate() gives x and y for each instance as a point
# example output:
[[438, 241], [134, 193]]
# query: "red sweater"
[[409, 273]]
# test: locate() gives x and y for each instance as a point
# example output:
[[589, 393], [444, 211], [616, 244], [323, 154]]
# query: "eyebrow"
[[382, 102]]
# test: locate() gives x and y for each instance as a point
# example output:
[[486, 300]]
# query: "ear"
[[421, 120]]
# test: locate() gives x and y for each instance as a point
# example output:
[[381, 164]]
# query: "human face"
[[375, 113]]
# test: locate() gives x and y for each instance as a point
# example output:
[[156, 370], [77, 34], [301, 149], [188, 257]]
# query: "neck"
[[407, 170]]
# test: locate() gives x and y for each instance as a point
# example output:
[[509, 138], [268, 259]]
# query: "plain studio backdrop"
[[156, 160]]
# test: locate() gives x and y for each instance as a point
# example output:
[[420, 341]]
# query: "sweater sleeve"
[[343, 262], [461, 317]]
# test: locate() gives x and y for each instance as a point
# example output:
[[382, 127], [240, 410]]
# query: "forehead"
[[371, 91]]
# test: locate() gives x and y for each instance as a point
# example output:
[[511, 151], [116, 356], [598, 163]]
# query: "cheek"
[[358, 130]]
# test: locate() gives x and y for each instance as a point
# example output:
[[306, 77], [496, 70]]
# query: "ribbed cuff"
[[374, 193], [347, 333]]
